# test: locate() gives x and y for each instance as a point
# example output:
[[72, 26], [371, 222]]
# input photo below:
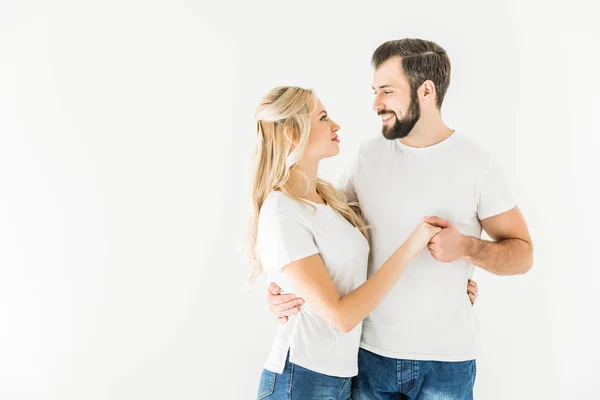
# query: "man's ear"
[[427, 91]]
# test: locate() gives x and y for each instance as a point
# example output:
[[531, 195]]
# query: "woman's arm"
[[313, 283], [284, 305]]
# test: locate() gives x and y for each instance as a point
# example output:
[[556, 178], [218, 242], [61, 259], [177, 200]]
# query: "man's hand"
[[449, 244], [473, 291], [283, 305]]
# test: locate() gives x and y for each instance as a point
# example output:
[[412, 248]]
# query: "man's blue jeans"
[[382, 378]]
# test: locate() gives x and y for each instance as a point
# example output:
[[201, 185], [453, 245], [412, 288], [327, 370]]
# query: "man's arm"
[[510, 252]]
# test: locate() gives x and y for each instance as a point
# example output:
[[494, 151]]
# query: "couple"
[[380, 266]]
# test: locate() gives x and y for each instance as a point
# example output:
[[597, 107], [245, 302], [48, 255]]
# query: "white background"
[[125, 132]]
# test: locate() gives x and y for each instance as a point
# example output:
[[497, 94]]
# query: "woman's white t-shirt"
[[288, 231]]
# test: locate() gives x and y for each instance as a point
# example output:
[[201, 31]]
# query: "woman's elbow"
[[339, 318], [344, 326]]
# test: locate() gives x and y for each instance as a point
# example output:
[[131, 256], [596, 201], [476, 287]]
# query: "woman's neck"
[[310, 168]]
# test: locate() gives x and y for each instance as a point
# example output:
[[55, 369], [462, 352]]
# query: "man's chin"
[[390, 134], [387, 135]]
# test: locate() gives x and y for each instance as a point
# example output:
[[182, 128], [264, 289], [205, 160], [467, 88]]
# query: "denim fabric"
[[382, 378], [298, 383]]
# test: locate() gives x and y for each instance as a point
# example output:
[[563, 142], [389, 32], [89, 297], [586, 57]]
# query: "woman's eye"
[[324, 118]]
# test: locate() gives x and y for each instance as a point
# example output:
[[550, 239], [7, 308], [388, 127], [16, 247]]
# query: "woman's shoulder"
[[279, 211], [279, 203]]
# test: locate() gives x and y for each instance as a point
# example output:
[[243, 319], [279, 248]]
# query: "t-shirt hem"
[[274, 368], [346, 373], [320, 370], [418, 356]]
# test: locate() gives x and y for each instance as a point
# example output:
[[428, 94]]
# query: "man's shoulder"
[[470, 150]]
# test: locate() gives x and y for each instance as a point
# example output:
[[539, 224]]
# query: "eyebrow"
[[382, 87], [322, 112]]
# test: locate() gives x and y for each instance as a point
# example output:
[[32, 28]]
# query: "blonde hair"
[[283, 126]]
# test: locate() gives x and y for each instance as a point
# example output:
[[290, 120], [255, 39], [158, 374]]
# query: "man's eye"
[[388, 92]]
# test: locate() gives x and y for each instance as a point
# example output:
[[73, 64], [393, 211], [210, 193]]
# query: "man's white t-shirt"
[[427, 315], [288, 231]]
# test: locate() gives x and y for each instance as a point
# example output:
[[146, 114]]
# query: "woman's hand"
[[420, 237]]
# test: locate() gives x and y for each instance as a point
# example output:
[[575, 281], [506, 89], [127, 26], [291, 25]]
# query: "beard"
[[402, 127]]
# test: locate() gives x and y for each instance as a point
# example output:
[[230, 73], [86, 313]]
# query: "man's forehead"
[[387, 81], [391, 77]]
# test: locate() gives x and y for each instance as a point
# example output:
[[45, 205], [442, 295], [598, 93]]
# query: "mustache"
[[385, 112]]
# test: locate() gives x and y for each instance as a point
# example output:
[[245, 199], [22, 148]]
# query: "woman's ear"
[[288, 132]]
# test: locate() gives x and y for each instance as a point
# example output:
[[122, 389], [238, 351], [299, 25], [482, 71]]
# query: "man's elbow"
[[528, 261]]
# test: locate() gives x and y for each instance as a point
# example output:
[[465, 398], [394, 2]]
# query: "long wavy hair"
[[283, 124]]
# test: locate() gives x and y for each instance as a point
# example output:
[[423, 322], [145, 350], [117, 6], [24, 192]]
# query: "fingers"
[[473, 294], [283, 305], [290, 304], [472, 298], [472, 291], [280, 309], [278, 299], [273, 288], [432, 248], [288, 312], [438, 221], [427, 231], [472, 287], [431, 228]]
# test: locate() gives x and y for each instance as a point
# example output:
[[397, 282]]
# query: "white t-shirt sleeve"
[[494, 195], [282, 239]]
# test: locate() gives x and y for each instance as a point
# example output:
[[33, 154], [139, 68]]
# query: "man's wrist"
[[471, 247]]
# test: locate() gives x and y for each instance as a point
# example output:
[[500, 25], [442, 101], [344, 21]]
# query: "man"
[[421, 342]]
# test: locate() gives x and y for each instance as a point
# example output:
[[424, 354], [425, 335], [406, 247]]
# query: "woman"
[[314, 244]]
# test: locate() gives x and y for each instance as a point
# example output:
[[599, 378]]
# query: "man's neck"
[[427, 132]]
